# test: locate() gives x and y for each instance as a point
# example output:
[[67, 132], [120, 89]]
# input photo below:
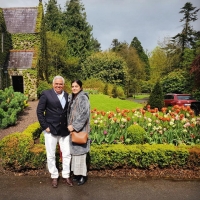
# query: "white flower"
[[123, 120], [149, 119], [149, 124], [187, 114]]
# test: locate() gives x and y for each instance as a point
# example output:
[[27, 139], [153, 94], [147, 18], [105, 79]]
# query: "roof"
[[20, 20], [21, 59]]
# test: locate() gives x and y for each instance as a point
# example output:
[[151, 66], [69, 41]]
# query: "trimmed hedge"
[[139, 156], [18, 152]]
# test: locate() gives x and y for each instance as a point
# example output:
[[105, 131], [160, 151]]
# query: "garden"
[[124, 136]]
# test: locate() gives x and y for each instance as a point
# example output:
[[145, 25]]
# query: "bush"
[[18, 151], [156, 98], [11, 104], [138, 156], [42, 85], [136, 134], [15, 151], [34, 129]]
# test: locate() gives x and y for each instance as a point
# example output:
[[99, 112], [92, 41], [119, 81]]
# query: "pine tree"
[[144, 58], [187, 35], [156, 99], [77, 29], [53, 16]]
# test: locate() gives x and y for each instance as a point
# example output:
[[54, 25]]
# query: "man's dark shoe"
[[76, 178], [68, 181], [54, 182], [82, 180]]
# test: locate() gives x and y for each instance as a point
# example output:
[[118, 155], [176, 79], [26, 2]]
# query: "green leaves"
[[10, 105]]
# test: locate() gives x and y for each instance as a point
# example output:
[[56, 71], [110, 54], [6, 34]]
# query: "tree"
[[106, 66], [95, 45], [156, 98], [187, 35], [117, 46], [78, 30], [195, 70], [158, 63], [144, 58], [177, 81], [53, 16]]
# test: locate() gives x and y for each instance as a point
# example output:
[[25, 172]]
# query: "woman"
[[79, 120]]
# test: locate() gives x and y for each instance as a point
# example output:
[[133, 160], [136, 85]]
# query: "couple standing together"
[[59, 114]]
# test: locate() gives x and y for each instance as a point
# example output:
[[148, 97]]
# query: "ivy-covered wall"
[[5, 39], [25, 42]]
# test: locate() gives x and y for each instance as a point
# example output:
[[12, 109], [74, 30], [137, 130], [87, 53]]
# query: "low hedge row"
[[19, 152], [144, 156]]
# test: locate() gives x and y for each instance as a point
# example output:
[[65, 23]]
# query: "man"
[[52, 116]]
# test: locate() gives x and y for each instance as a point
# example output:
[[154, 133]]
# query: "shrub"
[[15, 151], [138, 156], [38, 157], [114, 91], [156, 98], [34, 129], [136, 134], [105, 90], [42, 85], [11, 104]]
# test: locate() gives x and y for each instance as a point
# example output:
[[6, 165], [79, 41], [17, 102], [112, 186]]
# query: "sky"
[[149, 20]]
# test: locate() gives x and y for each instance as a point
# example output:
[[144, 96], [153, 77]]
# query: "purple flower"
[[105, 132]]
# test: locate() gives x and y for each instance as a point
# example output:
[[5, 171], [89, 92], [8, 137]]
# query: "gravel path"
[[27, 117]]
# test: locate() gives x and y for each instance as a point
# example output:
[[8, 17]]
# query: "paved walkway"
[[39, 188]]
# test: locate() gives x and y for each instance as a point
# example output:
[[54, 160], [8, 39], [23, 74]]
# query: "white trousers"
[[50, 144]]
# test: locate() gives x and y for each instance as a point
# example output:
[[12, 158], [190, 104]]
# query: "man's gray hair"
[[59, 77]]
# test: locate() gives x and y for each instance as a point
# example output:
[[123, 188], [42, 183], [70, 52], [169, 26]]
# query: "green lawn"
[[141, 96], [105, 103]]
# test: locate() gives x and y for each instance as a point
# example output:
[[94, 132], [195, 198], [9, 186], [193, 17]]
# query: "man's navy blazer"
[[51, 114]]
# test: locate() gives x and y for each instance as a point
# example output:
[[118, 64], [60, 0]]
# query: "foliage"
[[195, 70], [15, 150], [136, 134], [33, 129], [135, 43], [105, 90], [53, 16], [7, 45], [158, 62], [77, 30], [139, 156], [42, 85], [25, 41], [11, 104], [107, 67], [57, 55], [156, 98], [177, 81], [114, 91], [42, 61], [186, 37]]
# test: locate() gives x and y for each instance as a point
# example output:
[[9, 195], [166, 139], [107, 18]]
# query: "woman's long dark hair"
[[79, 82]]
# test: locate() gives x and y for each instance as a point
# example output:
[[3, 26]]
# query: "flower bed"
[[176, 125]]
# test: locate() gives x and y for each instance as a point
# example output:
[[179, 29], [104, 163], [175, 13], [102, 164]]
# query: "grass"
[[141, 96], [105, 103]]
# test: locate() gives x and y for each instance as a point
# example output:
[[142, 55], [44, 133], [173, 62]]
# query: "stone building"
[[23, 64]]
